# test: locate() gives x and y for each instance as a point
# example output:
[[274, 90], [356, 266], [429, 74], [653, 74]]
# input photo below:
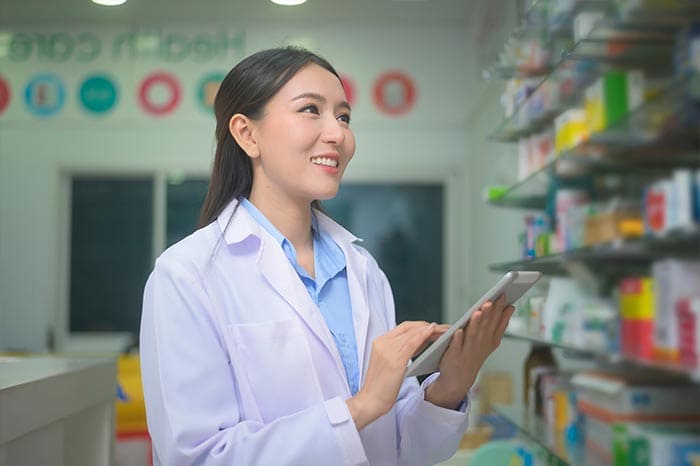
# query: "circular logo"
[[349, 87], [45, 95], [98, 94], [159, 93], [207, 88], [4, 95], [394, 93]]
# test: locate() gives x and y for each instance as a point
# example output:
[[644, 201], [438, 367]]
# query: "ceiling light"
[[109, 2], [287, 2]]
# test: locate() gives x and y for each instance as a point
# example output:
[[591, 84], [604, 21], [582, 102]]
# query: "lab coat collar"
[[280, 274], [245, 226]]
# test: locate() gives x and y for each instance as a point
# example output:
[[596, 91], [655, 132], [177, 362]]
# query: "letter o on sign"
[[394, 93], [169, 102], [4, 95], [349, 88]]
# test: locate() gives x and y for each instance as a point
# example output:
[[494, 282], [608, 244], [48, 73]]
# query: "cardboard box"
[[607, 227], [636, 398], [674, 280]]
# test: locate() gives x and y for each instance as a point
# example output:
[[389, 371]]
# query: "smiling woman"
[[269, 335]]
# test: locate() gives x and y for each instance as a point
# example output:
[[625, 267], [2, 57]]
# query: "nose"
[[333, 131]]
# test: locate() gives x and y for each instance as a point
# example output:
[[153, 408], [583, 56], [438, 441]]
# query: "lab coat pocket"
[[276, 362]]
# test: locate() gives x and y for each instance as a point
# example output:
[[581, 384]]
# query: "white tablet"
[[513, 284]]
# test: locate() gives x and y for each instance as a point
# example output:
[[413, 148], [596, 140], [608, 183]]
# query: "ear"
[[241, 128]]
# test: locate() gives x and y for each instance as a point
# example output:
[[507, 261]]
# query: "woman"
[[268, 336]]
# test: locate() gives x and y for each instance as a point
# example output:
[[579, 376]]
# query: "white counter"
[[57, 411]]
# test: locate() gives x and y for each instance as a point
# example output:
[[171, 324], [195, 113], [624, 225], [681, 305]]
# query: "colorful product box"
[[611, 97], [688, 315], [637, 338], [656, 445], [658, 202], [637, 310], [571, 128], [674, 280], [637, 298], [633, 397]]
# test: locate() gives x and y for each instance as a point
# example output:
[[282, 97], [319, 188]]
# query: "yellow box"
[[571, 128], [637, 298], [131, 411]]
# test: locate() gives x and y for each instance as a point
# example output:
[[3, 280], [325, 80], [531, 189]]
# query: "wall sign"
[[207, 88], [349, 87], [45, 95], [145, 44], [159, 93], [4, 94], [394, 93], [98, 94]]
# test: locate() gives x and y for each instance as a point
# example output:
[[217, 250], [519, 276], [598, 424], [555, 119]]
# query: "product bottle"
[[539, 360]]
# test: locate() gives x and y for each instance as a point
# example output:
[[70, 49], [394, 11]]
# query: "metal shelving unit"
[[658, 136], [614, 258], [560, 452], [607, 356]]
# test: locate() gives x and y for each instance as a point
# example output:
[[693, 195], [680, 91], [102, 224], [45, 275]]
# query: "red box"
[[637, 338], [687, 311]]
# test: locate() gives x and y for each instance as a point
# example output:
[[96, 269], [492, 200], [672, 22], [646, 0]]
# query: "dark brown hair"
[[246, 89]]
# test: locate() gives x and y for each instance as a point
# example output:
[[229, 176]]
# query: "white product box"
[[632, 398], [674, 279]]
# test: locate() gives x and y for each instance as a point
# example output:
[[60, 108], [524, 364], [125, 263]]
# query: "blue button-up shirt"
[[329, 290]]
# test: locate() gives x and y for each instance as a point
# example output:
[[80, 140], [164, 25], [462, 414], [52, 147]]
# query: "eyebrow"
[[320, 98]]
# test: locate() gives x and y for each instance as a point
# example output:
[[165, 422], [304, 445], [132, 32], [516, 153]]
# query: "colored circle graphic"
[[4, 94], [45, 95], [207, 88], [159, 93], [394, 93], [349, 87], [98, 94]]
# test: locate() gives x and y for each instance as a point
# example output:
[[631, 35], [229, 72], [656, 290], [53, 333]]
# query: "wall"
[[35, 153]]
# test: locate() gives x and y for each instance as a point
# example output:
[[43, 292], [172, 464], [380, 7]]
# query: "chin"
[[327, 194]]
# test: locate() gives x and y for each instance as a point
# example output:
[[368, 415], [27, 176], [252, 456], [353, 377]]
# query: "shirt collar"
[[246, 226]]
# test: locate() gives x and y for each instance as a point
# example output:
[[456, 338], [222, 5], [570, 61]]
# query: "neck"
[[292, 219]]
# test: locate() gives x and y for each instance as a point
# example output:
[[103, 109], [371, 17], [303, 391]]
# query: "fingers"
[[493, 313], [505, 318], [406, 327], [411, 341]]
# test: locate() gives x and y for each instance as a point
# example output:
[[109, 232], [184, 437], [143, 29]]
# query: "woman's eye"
[[310, 109], [345, 118]]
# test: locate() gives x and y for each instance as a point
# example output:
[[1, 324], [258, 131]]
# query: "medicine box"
[[674, 280], [611, 97], [688, 315], [614, 397], [656, 445]]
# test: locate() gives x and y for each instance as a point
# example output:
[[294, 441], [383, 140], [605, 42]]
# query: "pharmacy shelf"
[[661, 134], [555, 443], [619, 257], [612, 357], [623, 32], [638, 41]]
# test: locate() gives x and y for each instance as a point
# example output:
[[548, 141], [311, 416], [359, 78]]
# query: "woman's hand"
[[467, 352], [387, 367]]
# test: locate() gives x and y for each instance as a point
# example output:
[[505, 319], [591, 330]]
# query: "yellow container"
[[571, 128], [131, 411], [637, 298]]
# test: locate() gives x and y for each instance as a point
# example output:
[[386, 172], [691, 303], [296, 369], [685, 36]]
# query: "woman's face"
[[303, 139]]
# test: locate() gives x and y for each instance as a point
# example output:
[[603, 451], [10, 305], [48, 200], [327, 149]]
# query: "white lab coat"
[[239, 367]]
